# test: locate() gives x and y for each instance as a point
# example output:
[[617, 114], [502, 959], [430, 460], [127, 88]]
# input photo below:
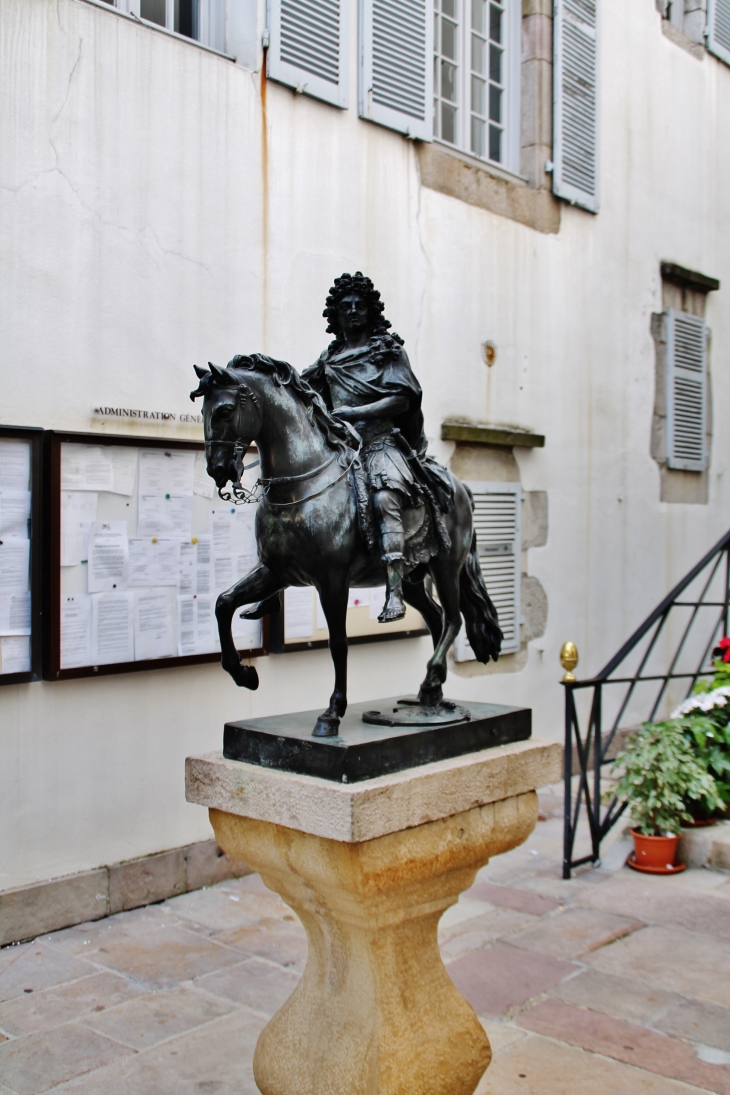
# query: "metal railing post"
[[567, 782]]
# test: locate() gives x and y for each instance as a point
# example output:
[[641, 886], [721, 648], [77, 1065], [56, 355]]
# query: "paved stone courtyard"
[[611, 984]]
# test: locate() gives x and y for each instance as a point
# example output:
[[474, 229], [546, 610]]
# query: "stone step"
[[706, 847]]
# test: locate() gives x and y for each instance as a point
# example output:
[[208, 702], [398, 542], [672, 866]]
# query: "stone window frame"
[[684, 23], [527, 197]]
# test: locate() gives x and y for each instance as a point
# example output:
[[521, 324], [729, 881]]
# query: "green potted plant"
[[705, 720], [659, 775]]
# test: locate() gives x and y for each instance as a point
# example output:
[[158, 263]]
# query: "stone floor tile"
[[157, 952], [574, 932], [509, 897], [667, 958], [220, 909], [501, 977], [655, 900], [501, 1034], [539, 1066], [483, 930], [36, 1063], [259, 985], [36, 966], [703, 1023], [78, 939], [50, 1008], [617, 996], [464, 910], [625, 1042], [565, 892], [158, 1016], [212, 1060], [281, 942]]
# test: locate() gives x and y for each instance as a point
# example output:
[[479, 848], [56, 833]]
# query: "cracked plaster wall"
[[147, 225]]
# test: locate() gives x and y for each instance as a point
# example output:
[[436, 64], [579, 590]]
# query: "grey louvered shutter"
[[497, 521], [308, 43], [686, 391], [718, 29], [396, 65], [575, 102]]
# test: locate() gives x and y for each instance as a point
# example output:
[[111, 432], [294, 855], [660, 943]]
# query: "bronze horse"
[[308, 527]]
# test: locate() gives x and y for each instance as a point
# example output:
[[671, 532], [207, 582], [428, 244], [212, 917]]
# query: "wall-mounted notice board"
[[21, 462], [139, 547], [302, 625]]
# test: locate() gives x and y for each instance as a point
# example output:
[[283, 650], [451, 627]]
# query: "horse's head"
[[231, 421]]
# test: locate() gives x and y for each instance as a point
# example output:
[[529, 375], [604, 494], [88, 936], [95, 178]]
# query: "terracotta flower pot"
[[655, 854]]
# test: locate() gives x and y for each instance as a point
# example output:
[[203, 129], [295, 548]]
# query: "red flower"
[[722, 650]]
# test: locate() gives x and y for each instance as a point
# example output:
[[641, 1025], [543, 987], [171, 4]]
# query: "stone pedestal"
[[369, 869]]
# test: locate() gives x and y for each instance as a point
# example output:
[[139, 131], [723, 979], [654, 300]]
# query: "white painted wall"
[[146, 224]]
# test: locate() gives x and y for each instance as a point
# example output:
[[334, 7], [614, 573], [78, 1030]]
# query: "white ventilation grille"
[[497, 522], [686, 391], [575, 129], [308, 47], [396, 68], [718, 29]]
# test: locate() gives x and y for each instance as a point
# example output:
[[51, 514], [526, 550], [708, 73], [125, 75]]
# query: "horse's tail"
[[480, 615]]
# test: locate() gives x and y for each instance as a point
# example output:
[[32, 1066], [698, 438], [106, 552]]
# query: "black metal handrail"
[[592, 749]]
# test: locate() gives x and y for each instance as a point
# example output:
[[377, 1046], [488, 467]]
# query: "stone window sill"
[[477, 433], [156, 27], [487, 187]]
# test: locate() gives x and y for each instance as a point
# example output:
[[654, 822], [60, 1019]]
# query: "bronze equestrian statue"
[[348, 496]]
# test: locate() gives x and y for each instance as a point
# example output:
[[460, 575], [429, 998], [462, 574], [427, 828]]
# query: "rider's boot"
[[394, 608], [387, 506]]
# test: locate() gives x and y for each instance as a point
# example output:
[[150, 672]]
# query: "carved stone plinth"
[[375, 1012]]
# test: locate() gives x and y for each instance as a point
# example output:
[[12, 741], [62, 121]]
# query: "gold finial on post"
[[568, 660]]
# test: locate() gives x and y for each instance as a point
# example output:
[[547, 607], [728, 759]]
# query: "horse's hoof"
[[327, 726], [430, 697], [270, 606], [245, 676]]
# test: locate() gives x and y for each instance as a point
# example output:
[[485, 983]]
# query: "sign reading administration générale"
[[133, 413]]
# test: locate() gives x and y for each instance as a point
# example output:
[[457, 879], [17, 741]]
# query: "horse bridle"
[[240, 495]]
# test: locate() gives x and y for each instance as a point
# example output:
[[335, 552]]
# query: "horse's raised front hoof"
[[326, 726], [245, 676], [270, 606]]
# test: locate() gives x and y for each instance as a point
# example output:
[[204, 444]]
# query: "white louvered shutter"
[[396, 65], [718, 29], [308, 42], [575, 101], [686, 391], [497, 521]]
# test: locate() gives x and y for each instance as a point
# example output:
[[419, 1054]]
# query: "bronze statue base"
[[410, 712]]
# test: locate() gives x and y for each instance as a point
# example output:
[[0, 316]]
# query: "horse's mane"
[[337, 433]]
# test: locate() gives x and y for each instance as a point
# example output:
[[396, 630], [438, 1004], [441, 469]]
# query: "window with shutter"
[[308, 47], [201, 20], [396, 65], [686, 391], [718, 29], [575, 124], [497, 521]]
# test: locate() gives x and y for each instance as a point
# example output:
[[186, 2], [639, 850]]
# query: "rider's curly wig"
[[363, 287]]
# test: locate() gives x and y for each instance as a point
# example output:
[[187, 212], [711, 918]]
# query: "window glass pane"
[[448, 123], [495, 143], [448, 39], [477, 15], [495, 104], [477, 137], [478, 54], [495, 23], [495, 64], [153, 10], [448, 7], [186, 22], [448, 81], [477, 96]]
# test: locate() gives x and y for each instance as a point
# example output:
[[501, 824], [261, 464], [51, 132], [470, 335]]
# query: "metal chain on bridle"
[[240, 495]]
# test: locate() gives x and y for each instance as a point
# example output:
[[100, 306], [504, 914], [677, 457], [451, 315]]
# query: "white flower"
[[705, 701]]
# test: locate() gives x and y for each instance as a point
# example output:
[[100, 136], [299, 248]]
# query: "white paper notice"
[[153, 633], [124, 468], [15, 614], [14, 558], [246, 633], [202, 482], [203, 567], [78, 510], [165, 515], [247, 555], [298, 613], [186, 574], [377, 600], [166, 472], [14, 465], [223, 530], [153, 562], [15, 654], [196, 629], [108, 556], [75, 630], [358, 598], [86, 467], [112, 628], [14, 513]]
